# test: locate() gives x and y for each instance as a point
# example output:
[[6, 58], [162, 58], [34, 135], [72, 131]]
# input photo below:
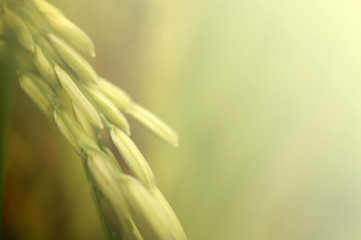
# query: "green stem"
[[6, 88]]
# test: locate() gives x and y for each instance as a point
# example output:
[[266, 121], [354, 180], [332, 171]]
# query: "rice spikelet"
[[20, 29]]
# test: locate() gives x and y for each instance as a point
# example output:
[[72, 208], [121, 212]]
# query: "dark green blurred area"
[[265, 96]]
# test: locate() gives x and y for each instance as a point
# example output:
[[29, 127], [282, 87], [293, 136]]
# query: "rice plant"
[[48, 54]]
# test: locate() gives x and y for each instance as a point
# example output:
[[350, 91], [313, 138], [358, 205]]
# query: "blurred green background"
[[266, 99]]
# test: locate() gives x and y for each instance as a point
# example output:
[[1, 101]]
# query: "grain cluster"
[[49, 55]]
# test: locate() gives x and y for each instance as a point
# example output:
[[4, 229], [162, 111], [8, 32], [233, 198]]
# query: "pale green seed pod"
[[18, 26], [78, 98], [41, 83], [176, 225], [133, 157], [45, 7], [73, 59], [107, 178], [110, 110], [109, 181], [104, 174], [33, 91], [64, 99], [150, 218], [114, 93], [153, 123], [72, 33], [49, 50], [112, 158], [84, 122], [85, 141], [44, 67], [67, 133]]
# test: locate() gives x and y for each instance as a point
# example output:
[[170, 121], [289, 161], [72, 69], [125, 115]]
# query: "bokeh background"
[[265, 96]]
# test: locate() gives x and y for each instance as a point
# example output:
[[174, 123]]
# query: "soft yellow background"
[[265, 96]]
